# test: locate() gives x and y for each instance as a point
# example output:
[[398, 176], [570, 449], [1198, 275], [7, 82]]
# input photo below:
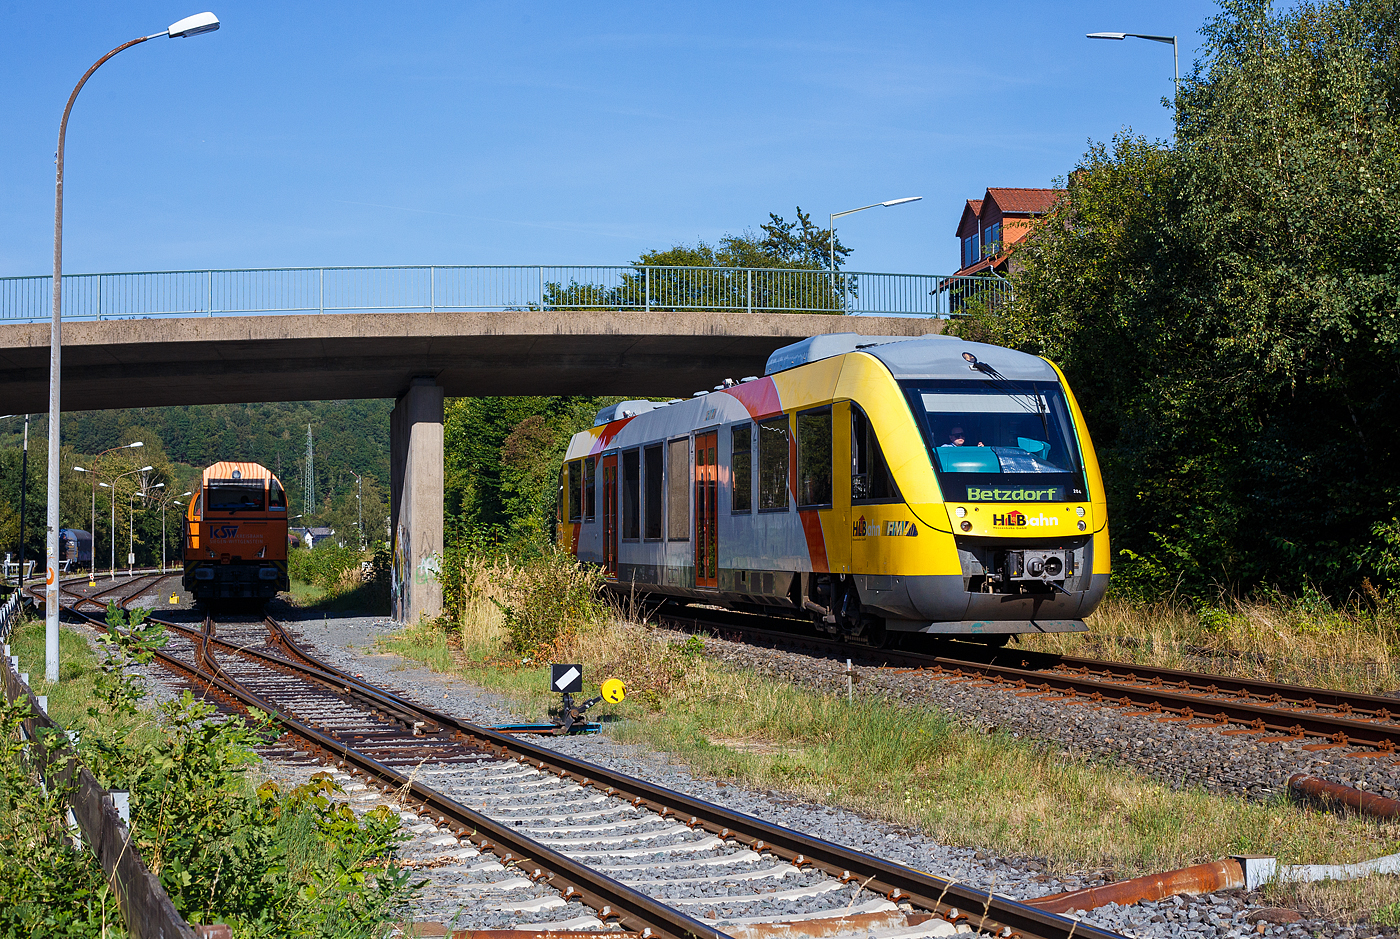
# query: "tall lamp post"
[[92, 566], [831, 221], [131, 523], [165, 502], [360, 506], [113, 534], [1176, 66], [189, 26], [23, 491]]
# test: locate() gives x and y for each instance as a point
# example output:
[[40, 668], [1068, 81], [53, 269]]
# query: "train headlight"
[[960, 511], [1082, 525], [1080, 510], [966, 525], [203, 573], [267, 573]]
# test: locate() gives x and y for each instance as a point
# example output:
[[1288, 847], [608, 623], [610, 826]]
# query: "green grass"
[[360, 598], [911, 765]]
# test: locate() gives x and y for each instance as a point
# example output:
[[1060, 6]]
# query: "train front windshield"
[[999, 441], [235, 495]]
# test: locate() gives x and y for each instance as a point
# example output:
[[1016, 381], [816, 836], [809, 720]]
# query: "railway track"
[[1360, 726], [566, 844]]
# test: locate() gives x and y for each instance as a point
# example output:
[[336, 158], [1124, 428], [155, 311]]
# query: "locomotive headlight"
[[960, 511], [1080, 510], [966, 525], [1082, 526]]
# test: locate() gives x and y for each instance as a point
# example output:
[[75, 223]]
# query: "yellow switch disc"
[[614, 690], [174, 598]]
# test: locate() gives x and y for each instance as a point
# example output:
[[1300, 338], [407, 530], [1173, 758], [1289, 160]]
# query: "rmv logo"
[[224, 531]]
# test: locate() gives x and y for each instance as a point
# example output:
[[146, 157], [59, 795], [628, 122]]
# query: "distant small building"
[[990, 227], [309, 537]]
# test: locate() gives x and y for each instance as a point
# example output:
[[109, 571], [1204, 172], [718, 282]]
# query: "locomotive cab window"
[[235, 495], [741, 468], [814, 457], [773, 443], [590, 493], [575, 490], [1000, 441], [871, 480], [276, 496], [631, 495], [678, 490], [651, 497]]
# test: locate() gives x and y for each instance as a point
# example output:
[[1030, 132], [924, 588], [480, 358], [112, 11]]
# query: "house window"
[[773, 445], [991, 239], [741, 469], [651, 503], [970, 250]]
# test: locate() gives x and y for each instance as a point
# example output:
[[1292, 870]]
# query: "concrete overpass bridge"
[[143, 340]]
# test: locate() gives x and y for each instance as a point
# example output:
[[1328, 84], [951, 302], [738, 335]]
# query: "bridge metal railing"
[[431, 288]]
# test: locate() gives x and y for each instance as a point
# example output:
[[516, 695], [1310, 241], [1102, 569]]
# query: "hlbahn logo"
[[862, 529], [1021, 520]]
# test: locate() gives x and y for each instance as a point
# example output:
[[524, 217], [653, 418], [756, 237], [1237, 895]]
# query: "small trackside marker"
[[565, 679]]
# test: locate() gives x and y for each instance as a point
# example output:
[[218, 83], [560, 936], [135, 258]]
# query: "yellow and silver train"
[[878, 485]]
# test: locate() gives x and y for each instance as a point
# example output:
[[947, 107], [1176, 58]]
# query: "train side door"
[[610, 515], [706, 512]]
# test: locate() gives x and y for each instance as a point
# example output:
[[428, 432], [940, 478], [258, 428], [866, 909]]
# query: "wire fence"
[[435, 288]]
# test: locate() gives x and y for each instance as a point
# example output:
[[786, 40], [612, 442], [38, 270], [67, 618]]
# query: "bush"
[[550, 596], [329, 566]]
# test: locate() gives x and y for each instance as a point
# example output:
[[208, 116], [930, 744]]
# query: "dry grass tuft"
[[1276, 639]]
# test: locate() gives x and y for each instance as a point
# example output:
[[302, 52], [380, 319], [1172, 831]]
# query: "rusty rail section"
[[1367, 803], [146, 908], [1210, 701]]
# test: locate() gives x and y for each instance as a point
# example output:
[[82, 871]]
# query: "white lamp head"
[[133, 446], [145, 469], [902, 201], [1105, 35], [193, 26]]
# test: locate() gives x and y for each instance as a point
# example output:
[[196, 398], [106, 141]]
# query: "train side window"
[[590, 492], [631, 494], [773, 445], [276, 497], [741, 469], [575, 490], [678, 490], [814, 457], [871, 480], [651, 497]]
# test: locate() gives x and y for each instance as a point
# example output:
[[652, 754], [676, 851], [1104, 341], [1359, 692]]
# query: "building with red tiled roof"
[[990, 226]]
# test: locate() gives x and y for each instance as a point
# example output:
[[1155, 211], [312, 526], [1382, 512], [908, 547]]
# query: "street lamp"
[[189, 26], [23, 491], [113, 533], [831, 221], [92, 565], [1176, 68], [360, 506], [131, 524], [164, 503]]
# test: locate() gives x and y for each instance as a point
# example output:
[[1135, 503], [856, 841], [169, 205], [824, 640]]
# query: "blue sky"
[[549, 133]]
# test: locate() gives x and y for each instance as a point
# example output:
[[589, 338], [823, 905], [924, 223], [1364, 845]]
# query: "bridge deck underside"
[[148, 363]]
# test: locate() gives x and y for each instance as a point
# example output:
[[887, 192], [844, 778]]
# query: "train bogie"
[[235, 534], [874, 485]]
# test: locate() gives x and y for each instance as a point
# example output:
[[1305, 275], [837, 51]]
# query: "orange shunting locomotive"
[[236, 534]]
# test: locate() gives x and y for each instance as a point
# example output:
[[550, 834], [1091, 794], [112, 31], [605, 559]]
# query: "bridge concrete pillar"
[[415, 444]]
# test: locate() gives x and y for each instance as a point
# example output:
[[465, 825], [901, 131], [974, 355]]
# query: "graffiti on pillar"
[[400, 582], [429, 567]]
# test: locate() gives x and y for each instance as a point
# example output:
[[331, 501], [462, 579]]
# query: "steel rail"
[[986, 910], [1283, 715], [576, 881]]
